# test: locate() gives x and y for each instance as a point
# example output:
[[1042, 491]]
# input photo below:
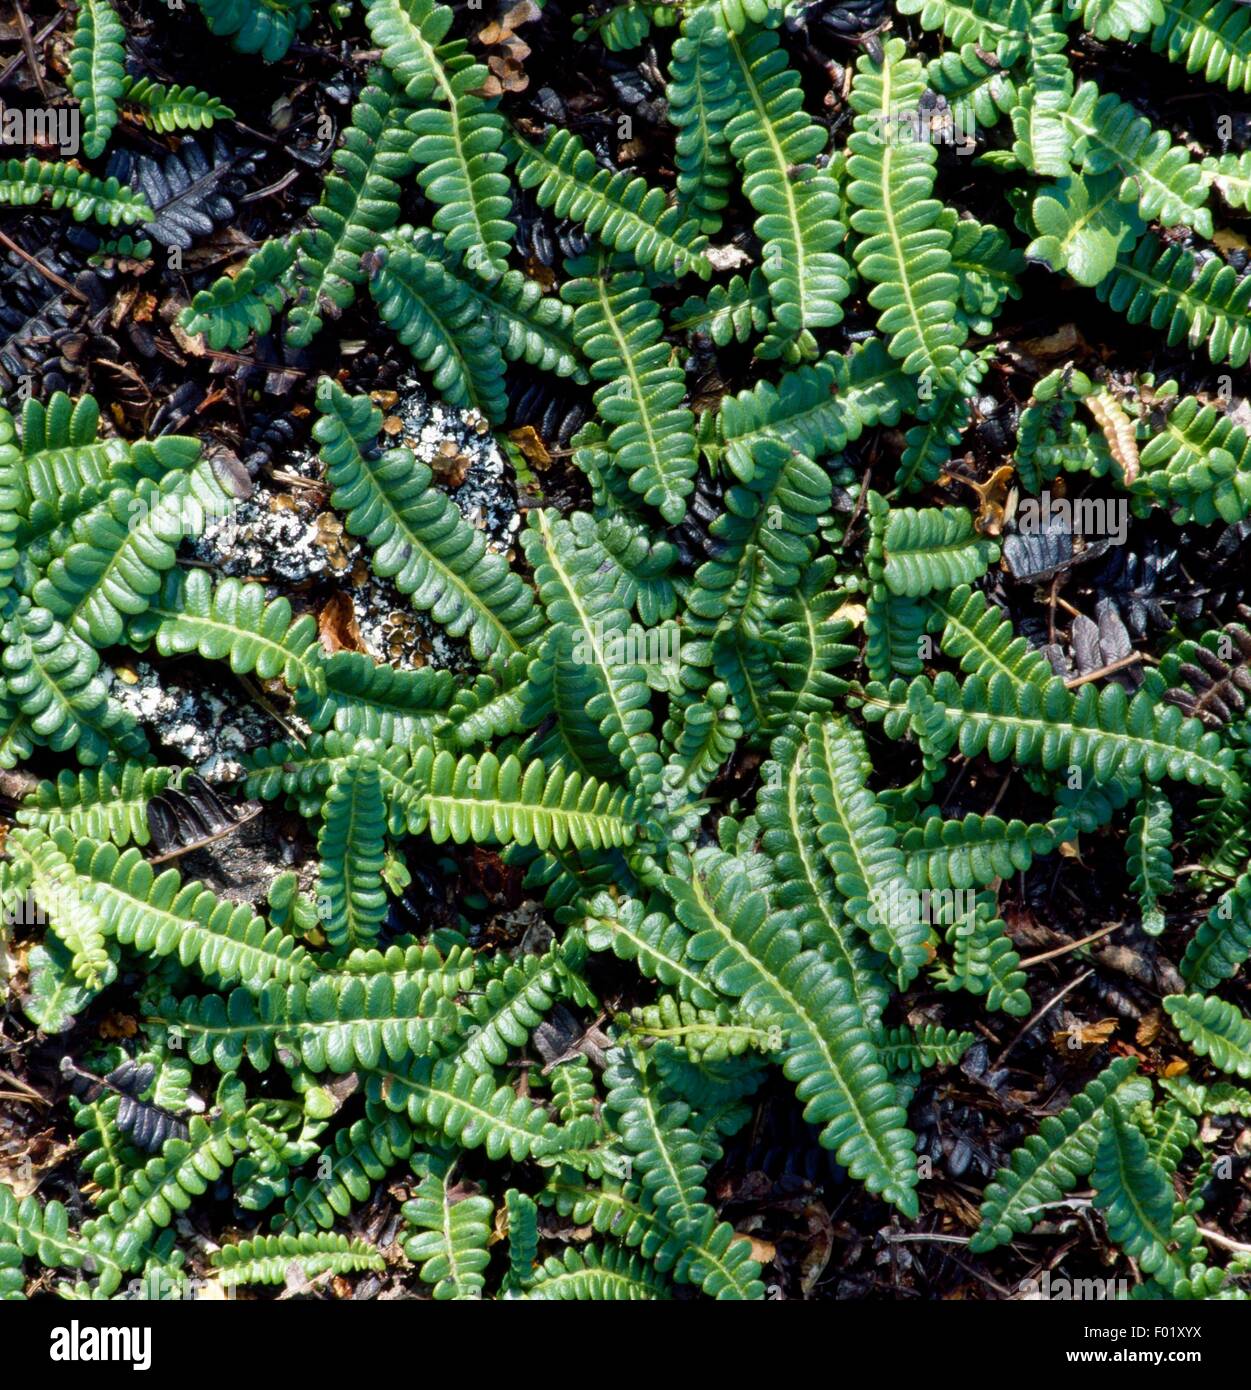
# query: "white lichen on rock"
[[208, 728]]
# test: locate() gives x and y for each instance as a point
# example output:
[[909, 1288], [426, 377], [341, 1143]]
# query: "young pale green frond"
[[23, 183]]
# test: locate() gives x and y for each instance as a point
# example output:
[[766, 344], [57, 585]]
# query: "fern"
[[24, 183], [617, 326], [1134, 1192], [1150, 861], [235, 307], [1157, 176], [753, 956], [905, 250], [231, 621], [1050, 1162], [1214, 39], [528, 326], [622, 212], [268, 1259], [168, 109], [96, 76], [436, 317], [1213, 1028], [452, 1230], [1158, 284], [775, 144], [265, 27], [359, 201], [419, 539]]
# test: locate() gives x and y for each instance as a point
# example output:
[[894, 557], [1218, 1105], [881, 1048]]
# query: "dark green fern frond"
[[96, 71]]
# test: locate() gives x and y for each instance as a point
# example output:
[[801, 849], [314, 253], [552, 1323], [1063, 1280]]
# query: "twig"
[[28, 44], [253, 362], [1071, 946], [1131, 660], [26, 1092], [1225, 1242], [904, 1238], [1046, 1009], [16, 62], [43, 269], [257, 694]]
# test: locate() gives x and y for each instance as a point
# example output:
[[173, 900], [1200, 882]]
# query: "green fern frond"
[[905, 247], [23, 183], [1212, 1028], [360, 200], [620, 211], [617, 326], [235, 307], [1158, 284], [97, 71], [268, 1259], [452, 1232], [1149, 857], [420, 540], [173, 108], [1050, 1162], [232, 622], [265, 27]]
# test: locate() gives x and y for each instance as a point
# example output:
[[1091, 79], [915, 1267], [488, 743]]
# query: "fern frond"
[[1050, 1162], [468, 1107], [438, 320], [589, 1273], [1212, 1028], [1149, 857], [905, 247], [452, 1232], [419, 539], [265, 27], [97, 71], [620, 211], [173, 108], [235, 307], [701, 105], [753, 954], [160, 915], [360, 200], [351, 848], [1223, 941], [856, 837], [1209, 38], [528, 325], [1158, 284], [486, 799], [1049, 726], [267, 1259], [617, 326], [915, 551], [1158, 176], [1134, 1193], [23, 183], [232, 622], [776, 144], [52, 678], [107, 803]]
